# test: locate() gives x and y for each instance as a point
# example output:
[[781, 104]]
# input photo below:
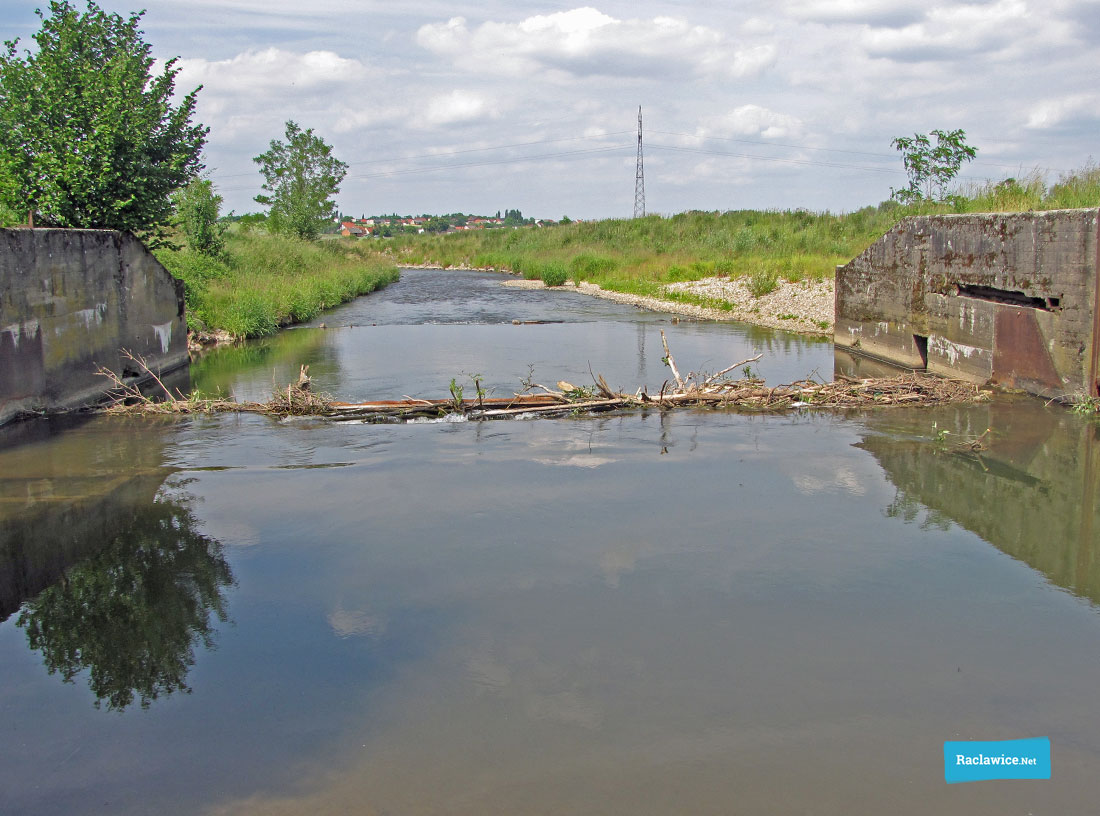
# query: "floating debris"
[[748, 393]]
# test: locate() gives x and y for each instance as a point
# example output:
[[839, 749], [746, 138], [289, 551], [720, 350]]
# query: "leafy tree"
[[931, 168], [88, 136], [514, 218], [197, 210], [302, 176]]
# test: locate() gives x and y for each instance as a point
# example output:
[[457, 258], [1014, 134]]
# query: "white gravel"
[[806, 306]]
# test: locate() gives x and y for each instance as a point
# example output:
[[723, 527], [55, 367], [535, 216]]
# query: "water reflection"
[[132, 615], [1033, 493], [107, 571]]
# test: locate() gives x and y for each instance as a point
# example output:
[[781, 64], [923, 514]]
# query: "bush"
[[554, 274], [763, 282]]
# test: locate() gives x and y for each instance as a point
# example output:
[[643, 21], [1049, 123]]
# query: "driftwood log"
[[748, 393]]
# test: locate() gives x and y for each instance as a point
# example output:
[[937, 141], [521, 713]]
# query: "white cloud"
[[954, 32], [1063, 110], [751, 120], [866, 12], [453, 108], [267, 69], [585, 42]]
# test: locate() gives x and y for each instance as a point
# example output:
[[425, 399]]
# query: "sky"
[[746, 104]]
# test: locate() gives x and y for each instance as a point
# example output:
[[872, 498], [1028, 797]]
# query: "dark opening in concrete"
[[1008, 297], [921, 342]]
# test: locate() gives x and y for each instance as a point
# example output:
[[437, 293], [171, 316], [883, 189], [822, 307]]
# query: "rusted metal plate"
[[1020, 355]]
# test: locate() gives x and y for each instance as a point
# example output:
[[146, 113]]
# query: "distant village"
[[387, 226]]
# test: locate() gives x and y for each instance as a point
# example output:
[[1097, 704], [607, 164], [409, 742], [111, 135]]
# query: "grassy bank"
[[264, 281], [639, 256]]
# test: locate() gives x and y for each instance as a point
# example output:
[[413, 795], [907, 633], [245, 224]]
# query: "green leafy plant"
[[481, 392], [1084, 405], [301, 176], [197, 211], [456, 394], [931, 168], [89, 136]]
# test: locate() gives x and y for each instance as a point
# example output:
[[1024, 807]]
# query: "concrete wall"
[[1004, 298], [70, 300]]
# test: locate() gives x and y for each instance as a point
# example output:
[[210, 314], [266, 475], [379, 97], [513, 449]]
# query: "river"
[[697, 612]]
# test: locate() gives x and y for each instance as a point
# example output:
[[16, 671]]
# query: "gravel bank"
[[805, 307]]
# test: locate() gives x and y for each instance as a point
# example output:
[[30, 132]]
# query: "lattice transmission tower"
[[639, 175]]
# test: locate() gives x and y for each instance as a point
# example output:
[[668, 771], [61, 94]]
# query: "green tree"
[[931, 168], [197, 210], [514, 218], [301, 176], [88, 135]]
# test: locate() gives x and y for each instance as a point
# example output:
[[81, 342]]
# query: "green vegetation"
[[197, 209], [639, 256], [931, 169], [302, 176], [263, 281], [89, 137], [1085, 405]]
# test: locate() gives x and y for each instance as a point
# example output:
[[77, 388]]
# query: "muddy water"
[[643, 614]]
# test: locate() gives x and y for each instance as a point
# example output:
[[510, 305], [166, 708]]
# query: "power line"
[[447, 167], [755, 157], [461, 152], [639, 191], [774, 144], [884, 156]]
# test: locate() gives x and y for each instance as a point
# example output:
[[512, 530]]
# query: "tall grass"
[[264, 281], [764, 247]]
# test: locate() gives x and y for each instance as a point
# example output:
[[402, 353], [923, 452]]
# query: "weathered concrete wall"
[[71, 300], [1004, 298]]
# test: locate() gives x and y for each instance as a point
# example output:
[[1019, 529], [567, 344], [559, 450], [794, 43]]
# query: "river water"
[[697, 612]]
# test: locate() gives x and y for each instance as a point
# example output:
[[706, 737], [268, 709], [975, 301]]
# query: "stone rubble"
[[805, 307]]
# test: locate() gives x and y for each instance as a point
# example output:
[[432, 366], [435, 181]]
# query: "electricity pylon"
[[639, 175]]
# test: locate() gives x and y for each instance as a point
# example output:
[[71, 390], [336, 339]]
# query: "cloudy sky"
[[441, 107]]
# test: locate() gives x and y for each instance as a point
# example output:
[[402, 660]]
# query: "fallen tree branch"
[[671, 363], [714, 391]]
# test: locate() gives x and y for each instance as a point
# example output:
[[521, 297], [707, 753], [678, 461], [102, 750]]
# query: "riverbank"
[[264, 282], [805, 307]]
